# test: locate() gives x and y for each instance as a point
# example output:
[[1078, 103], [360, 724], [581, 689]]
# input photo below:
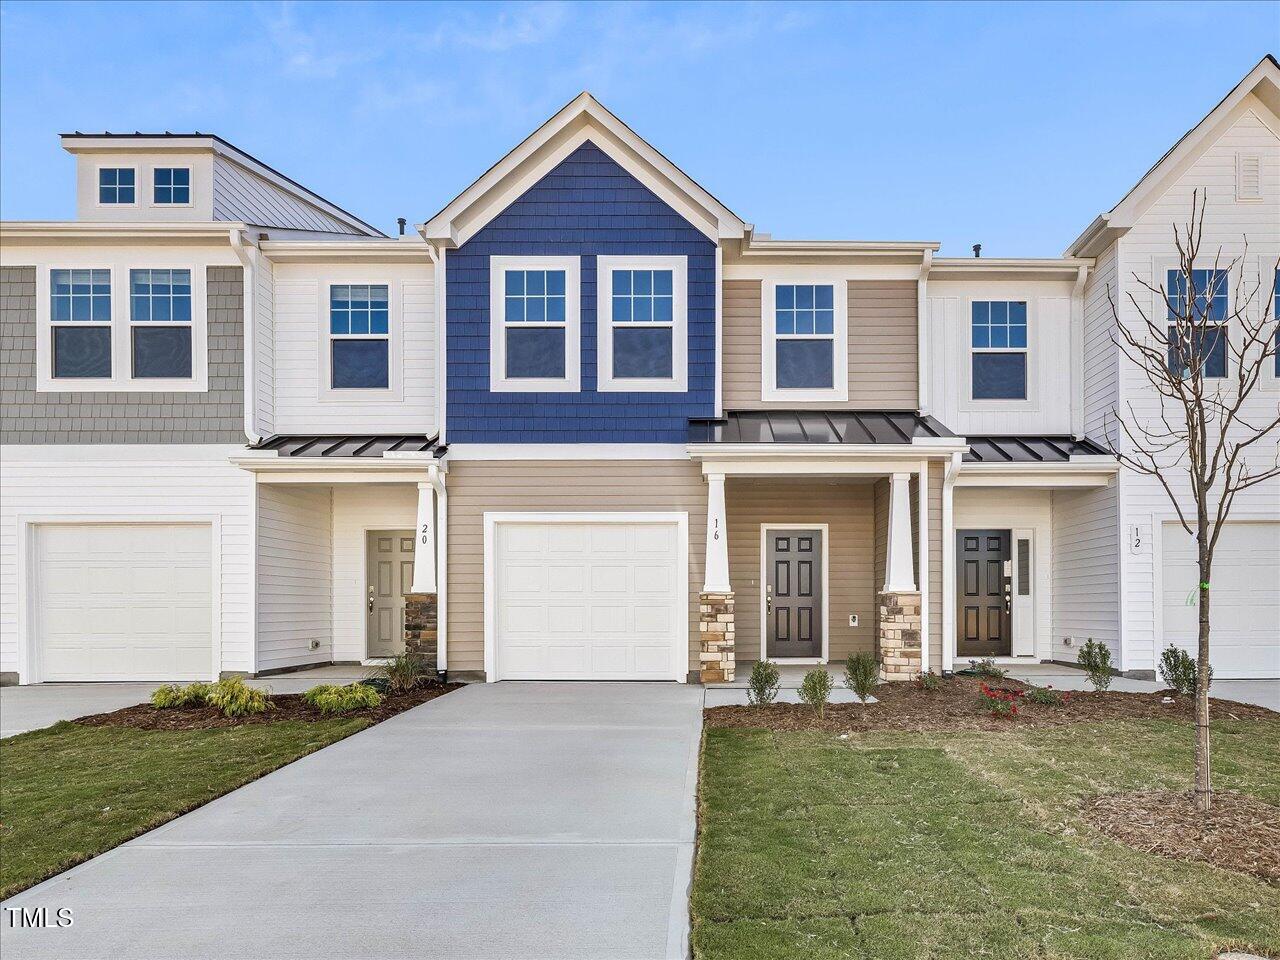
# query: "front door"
[[983, 593], [793, 593], [389, 570]]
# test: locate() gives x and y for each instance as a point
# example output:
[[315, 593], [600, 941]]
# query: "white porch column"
[[716, 577], [900, 575], [424, 541]]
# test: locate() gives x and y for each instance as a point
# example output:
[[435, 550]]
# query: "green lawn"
[[70, 792], [911, 845]]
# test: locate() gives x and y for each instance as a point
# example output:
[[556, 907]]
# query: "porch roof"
[[858, 427], [349, 445], [1029, 449]]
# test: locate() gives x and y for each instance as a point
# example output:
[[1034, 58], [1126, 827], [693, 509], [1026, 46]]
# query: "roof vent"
[[401, 221], [977, 250]]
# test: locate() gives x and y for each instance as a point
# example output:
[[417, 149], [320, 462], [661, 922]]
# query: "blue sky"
[[1009, 124]]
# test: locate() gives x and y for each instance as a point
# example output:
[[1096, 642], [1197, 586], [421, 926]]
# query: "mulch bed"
[[1239, 832], [288, 706], [958, 706]]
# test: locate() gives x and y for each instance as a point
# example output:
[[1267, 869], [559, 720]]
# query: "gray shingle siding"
[[216, 416]]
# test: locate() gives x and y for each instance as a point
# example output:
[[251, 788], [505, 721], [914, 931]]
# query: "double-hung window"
[[534, 324], [1204, 340], [805, 341], [998, 345], [160, 325], [359, 336], [642, 324], [171, 186], [117, 186], [80, 315]]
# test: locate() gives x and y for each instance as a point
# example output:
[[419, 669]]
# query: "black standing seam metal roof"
[[817, 426], [346, 445], [1029, 449]]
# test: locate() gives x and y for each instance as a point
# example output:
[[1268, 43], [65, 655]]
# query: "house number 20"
[[426, 534]]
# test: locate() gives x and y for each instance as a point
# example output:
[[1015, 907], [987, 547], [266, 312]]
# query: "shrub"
[[815, 689], [987, 668], [171, 696], [235, 698], [1095, 657], [929, 681], [1001, 702], [330, 698], [404, 672], [762, 687], [861, 673], [1178, 669], [1045, 696]]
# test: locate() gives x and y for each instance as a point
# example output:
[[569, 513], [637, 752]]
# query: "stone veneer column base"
[[421, 628], [898, 644], [715, 629]]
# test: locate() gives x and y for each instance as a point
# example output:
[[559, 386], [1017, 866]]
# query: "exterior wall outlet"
[[315, 644], [853, 619]]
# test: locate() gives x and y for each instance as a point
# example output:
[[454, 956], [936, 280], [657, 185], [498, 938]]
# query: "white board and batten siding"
[[160, 501], [1046, 409], [295, 575], [302, 400], [1148, 250]]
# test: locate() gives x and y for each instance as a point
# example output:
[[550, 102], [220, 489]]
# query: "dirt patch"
[[288, 706], [1238, 833], [956, 705]]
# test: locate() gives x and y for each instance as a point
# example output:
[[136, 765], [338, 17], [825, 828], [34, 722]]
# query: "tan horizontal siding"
[[477, 487], [882, 347]]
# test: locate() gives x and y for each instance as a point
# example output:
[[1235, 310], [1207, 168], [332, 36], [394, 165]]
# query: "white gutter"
[[922, 333], [249, 261], [949, 561]]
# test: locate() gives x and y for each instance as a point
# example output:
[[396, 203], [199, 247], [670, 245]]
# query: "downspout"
[[442, 567], [249, 261], [442, 343], [922, 332], [1077, 353], [949, 562]]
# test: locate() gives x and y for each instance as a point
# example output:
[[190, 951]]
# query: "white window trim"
[[122, 379], [191, 189], [678, 382], [97, 182], [1270, 379], [839, 390], [571, 382], [394, 390], [1029, 403], [1160, 271]]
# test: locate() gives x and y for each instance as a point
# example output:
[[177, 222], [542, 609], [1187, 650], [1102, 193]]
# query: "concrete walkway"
[[503, 820]]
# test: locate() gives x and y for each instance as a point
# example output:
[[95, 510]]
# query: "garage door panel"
[[124, 601], [610, 578]]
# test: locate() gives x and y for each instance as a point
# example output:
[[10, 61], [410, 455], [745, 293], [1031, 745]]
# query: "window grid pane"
[[998, 325], [172, 185], [804, 310], [534, 296], [1210, 288], [116, 185], [160, 295], [359, 310], [80, 296], [643, 296]]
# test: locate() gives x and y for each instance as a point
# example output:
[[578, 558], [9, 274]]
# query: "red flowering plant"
[[1000, 701]]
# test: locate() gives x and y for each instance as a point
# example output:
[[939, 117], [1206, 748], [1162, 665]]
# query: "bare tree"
[[1204, 347]]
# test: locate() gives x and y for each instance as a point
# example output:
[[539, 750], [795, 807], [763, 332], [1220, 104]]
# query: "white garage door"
[[1244, 613], [589, 601], [124, 601]]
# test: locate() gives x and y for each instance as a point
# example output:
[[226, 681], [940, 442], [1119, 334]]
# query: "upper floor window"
[[1275, 318], [534, 324], [998, 342], [160, 323], [1207, 311], [359, 337], [171, 186], [117, 185], [642, 323], [805, 342], [80, 311]]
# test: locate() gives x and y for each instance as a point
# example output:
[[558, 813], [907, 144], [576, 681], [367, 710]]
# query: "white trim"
[[191, 186], [439, 275], [394, 390], [1077, 351], [28, 652], [97, 186], [826, 592], [922, 333], [719, 358], [923, 573], [442, 571], [1030, 401], [681, 639], [567, 451], [1023, 618], [949, 562], [499, 382], [678, 382], [839, 390], [810, 272]]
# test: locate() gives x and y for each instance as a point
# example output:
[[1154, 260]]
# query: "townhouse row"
[[588, 423]]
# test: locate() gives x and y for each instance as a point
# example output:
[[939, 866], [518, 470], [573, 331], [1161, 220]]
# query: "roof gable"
[[583, 119]]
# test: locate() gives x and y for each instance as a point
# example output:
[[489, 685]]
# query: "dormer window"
[[117, 186], [171, 186]]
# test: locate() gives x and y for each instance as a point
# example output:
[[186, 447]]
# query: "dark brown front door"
[[983, 593], [793, 593]]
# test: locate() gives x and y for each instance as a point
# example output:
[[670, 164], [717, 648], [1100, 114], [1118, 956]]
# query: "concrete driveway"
[[503, 820]]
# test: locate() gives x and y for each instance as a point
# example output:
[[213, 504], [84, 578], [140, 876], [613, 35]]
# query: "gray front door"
[[793, 593], [389, 570]]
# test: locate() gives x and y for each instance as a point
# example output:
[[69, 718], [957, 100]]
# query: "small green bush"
[[815, 689], [929, 681], [1044, 696], [762, 687], [235, 698], [330, 698], [861, 673], [171, 695], [403, 673], [987, 668], [1178, 669], [1095, 657]]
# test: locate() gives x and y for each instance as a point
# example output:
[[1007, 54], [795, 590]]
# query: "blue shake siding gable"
[[587, 206]]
